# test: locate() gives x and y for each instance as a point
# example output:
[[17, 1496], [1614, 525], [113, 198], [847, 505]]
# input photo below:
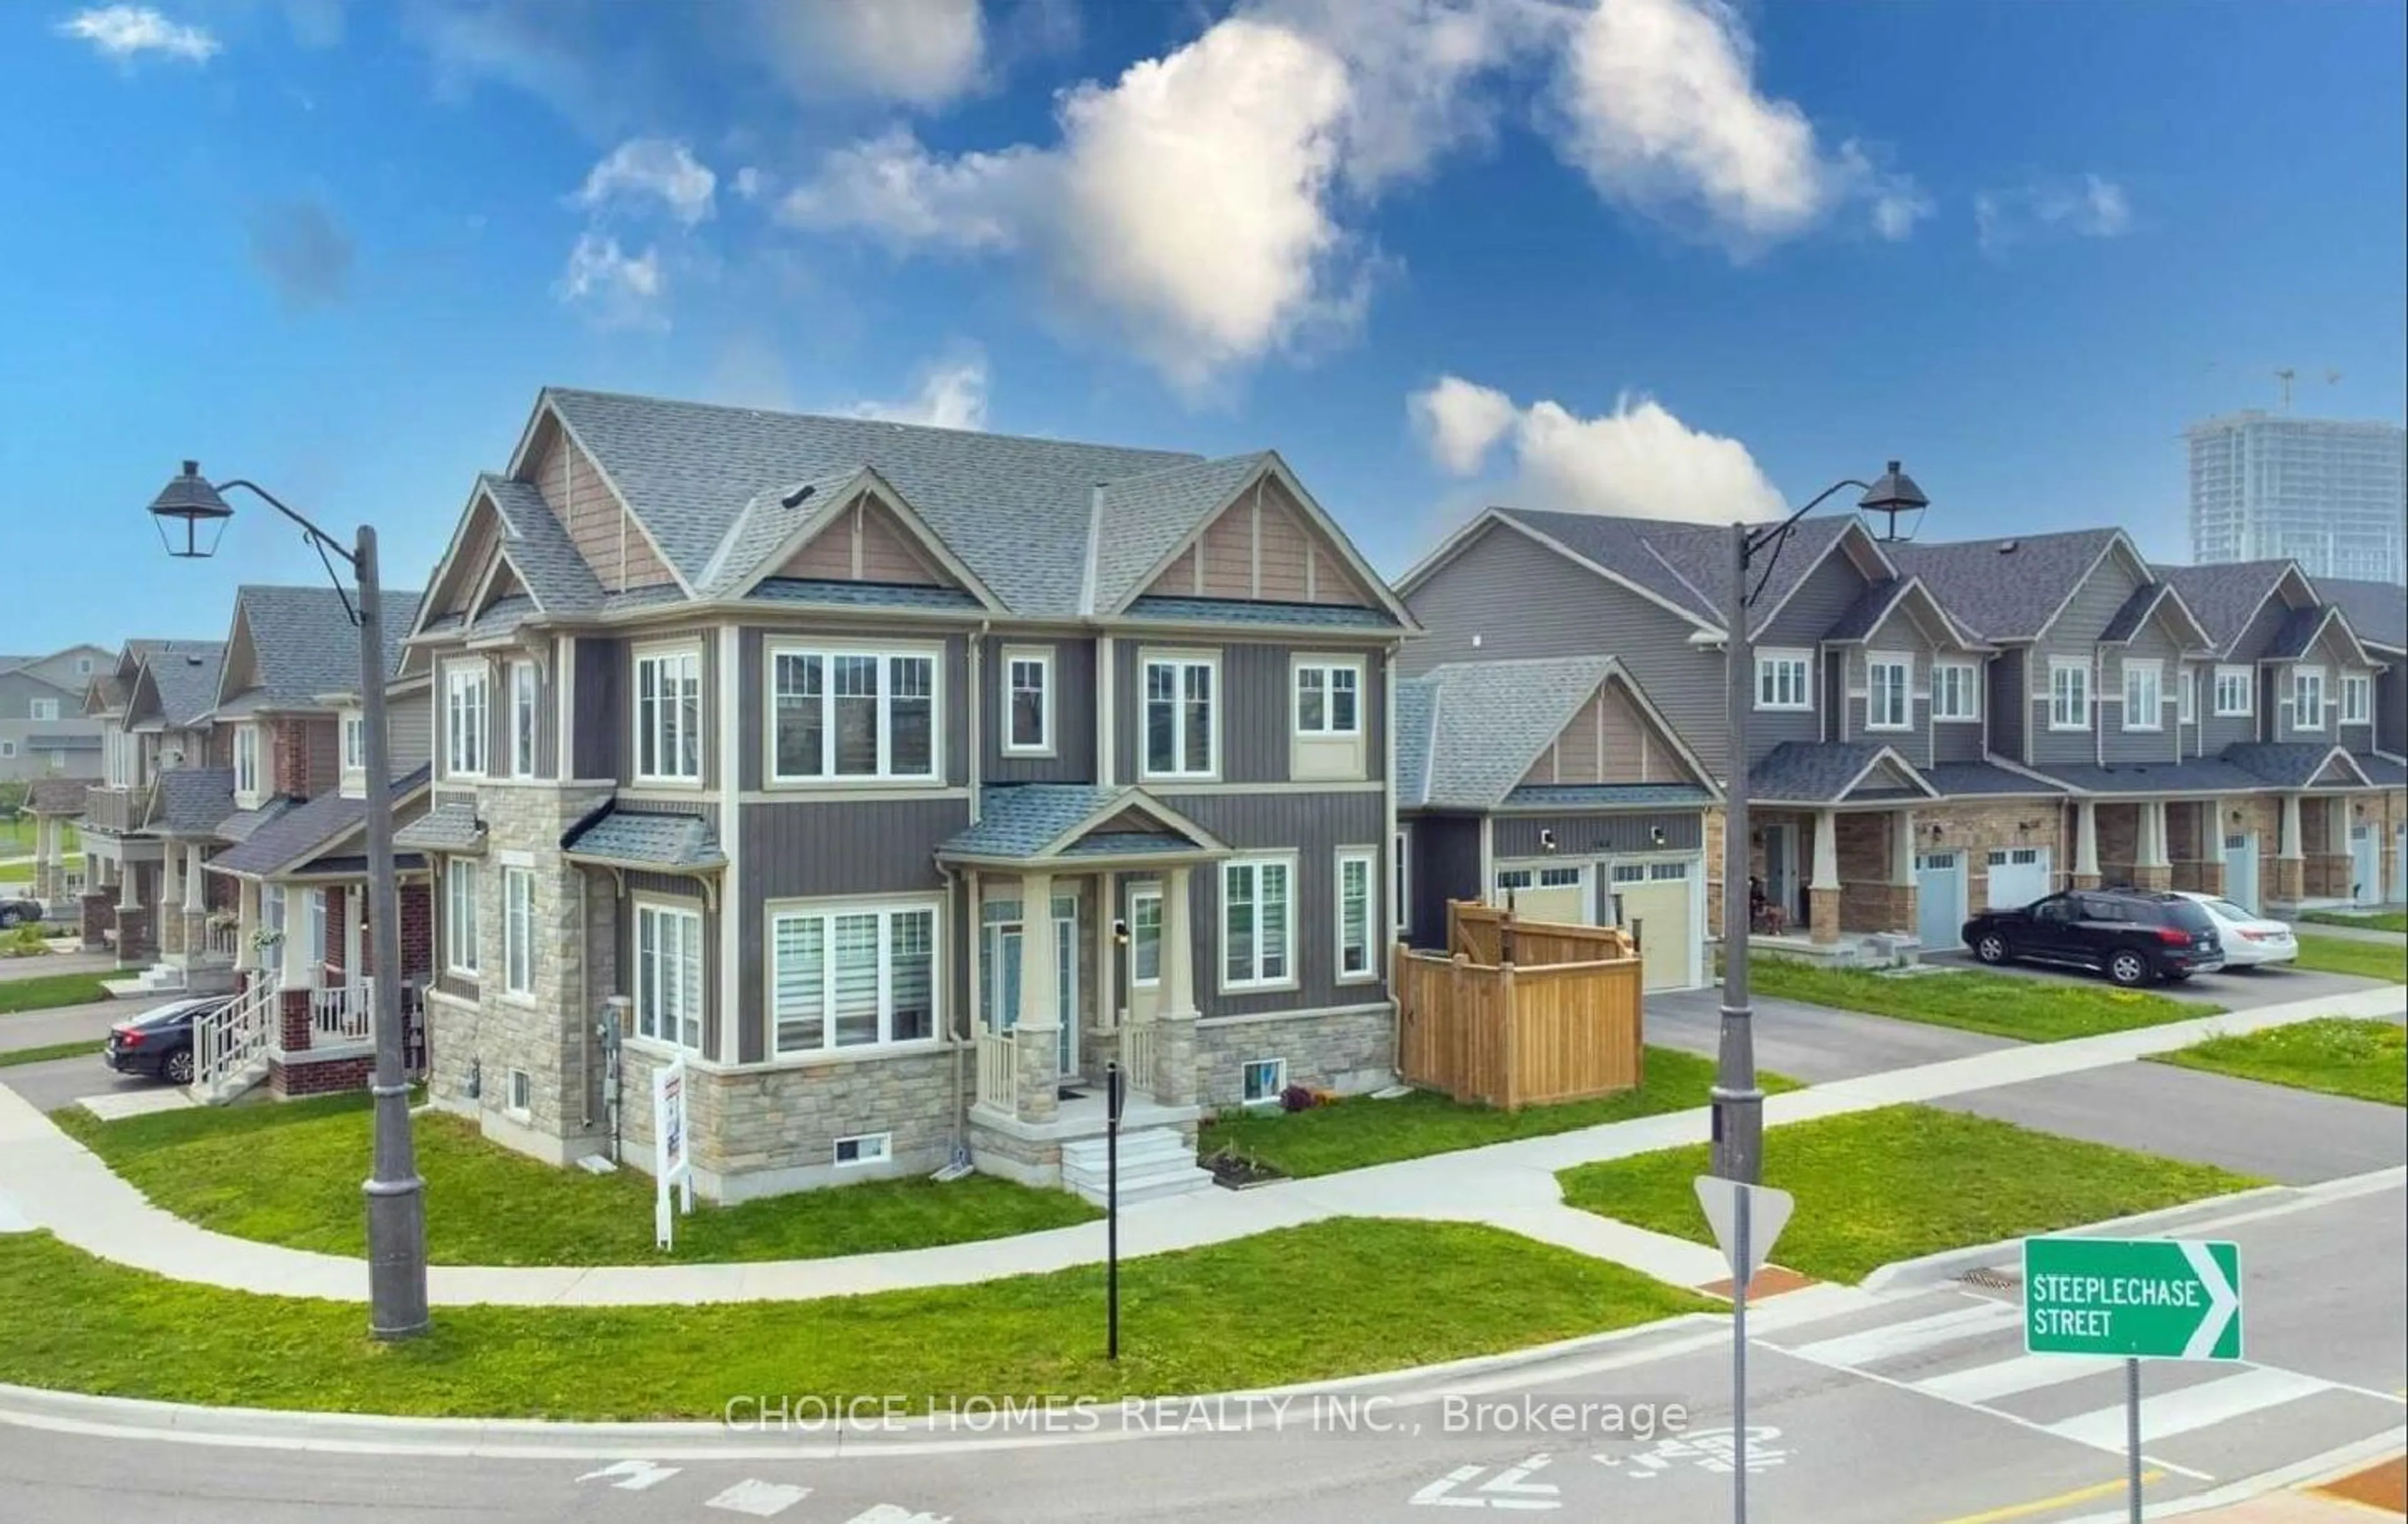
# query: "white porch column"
[[171, 878], [194, 903], [1178, 946], [1037, 981], [1111, 985], [2152, 845], [1826, 849], [2086, 841], [1902, 848], [2337, 825], [302, 963], [127, 900], [2290, 845]]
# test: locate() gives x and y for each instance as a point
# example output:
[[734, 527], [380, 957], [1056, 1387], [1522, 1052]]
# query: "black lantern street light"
[[192, 516], [1738, 1101]]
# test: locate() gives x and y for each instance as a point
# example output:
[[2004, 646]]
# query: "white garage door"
[[1939, 898], [1558, 893], [2018, 876], [1654, 902], [2241, 870]]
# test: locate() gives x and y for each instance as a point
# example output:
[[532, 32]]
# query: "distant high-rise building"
[[2331, 495]]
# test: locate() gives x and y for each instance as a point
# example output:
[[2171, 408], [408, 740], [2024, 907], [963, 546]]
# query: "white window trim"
[[2324, 699], [514, 927], [523, 674], [640, 906], [7, 747], [1972, 689], [1145, 891], [459, 740], [2247, 682], [245, 759], [1783, 656], [1401, 854], [886, 906], [1325, 666], [2358, 686], [2154, 714], [882, 652], [883, 1143], [1369, 858], [45, 710], [1905, 661], [351, 732], [637, 659], [2081, 669], [512, 1105], [1179, 659], [1042, 656], [1287, 980], [1278, 1067], [2186, 696], [452, 921]]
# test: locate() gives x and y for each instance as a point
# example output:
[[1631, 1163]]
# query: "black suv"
[[2133, 936]]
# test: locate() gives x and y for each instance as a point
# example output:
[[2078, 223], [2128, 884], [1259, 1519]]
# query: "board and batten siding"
[[1073, 700], [1312, 827], [1596, 833], [2075, 636], [1445, 865], [759, 703], [2150, 642], [1252, 711], [2391, 705], [1516, 598], [2006, 713], [601, 681]]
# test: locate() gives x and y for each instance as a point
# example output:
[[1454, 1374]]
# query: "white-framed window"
[[1329, 698], [246, 759], [83, 666], [1955, 690], [1889, 681], [1262, 1081], [1145, 937], [517, 931], [864, 1148], [844, 976], [7, 749], [2356, 699], [2187, 697], [460, 915], [2308, 698], [2145, 694], [2234, 686], [1257, 922], [2068, 695], [44, 709], [1028, 703], [522, 1094], [464, 724], [315, 927], [668, 715], [355, 742], [1181, 736], [668, 974], [527, 714], [1785, 680], [1662, 873], [1401, 880], [1357, 872], [852, 714]]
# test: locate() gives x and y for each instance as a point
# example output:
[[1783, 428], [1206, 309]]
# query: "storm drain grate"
[[1993, 1280]]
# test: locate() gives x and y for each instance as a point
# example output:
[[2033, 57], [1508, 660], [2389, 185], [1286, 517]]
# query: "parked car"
[[2249, 941], [2134, 938], [19, 913], [159, 1042]]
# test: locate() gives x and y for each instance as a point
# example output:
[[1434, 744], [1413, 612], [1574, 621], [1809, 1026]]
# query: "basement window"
[[522, 1098], [864, 1148], [1264, 1080]]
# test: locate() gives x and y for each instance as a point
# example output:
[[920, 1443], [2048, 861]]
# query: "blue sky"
[[1632, 255]]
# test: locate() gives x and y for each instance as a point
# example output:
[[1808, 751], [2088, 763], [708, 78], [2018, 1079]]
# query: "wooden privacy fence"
[[1520, 1012]]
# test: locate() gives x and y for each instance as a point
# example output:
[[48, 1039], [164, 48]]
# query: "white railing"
[[999, 1071], [343, 1011], [225, 941], [1137, 1055], [226, 1042]]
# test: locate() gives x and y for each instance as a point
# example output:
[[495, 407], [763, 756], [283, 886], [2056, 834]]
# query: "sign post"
[[2133, 1298], [1112, 1210], [1746, 1219], [672, 1169]]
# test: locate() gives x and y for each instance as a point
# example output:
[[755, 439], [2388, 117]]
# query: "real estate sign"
[[2133, 1298], [671, 1168]]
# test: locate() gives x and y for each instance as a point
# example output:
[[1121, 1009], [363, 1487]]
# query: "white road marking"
[[1511, 1487], [633, 1475], [2006, 1377], [887, 1513], [1894, 1339], [762, 1500], [2164, 1415]]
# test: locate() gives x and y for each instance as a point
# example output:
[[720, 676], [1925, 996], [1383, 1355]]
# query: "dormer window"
[[245, 763]]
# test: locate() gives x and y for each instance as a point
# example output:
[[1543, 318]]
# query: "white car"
[[2248, 940]]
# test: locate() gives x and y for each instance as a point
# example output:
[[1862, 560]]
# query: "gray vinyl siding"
[[1520, 600], [1073, 717], [1252, 712], [659, 886], [2006, 710], [1828, 592], [1446, 866], [2150, 642], [2330, 653], [601, 678], [410, 731], [1313, 827], [1598, 834], [2260, 629], [754, 692], [2216, 731], [1920, 741], [2075, 635], [1838, 724]]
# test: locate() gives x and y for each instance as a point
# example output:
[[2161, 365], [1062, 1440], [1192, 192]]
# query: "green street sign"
[[2133, 1298]]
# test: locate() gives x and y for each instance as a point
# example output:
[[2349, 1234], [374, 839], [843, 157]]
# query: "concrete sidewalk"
[[2351, 934], [48, 1180]]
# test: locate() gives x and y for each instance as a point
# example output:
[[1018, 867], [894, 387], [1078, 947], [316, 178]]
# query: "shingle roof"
[[2292, 764], [2297, 634], [1015, 511], [1130, 843], [1018, 820], [1819, 772], [1597, 796], [1412, 731], [300, 832], [546, 561], [2199, 774], [2135, 612], [185, 671], [1685, 564], [1235, 611], [2378, 611], [1491, 721], [193, 800], [802, 589], [243, 824], [767, 522], [1148, 514], [2005, 589], [451, 826], [56, 795], [2381, 771], [685, 842], [304, 644], [2226, 597], [1958, 778], [1864, 615]]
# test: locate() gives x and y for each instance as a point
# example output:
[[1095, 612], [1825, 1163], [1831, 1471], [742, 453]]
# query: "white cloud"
[[2082, 206], [952, 395], [891, 186], [124, 31], [653, 168], [1637, 460], [748, 182], [924, 52], [618, 289]]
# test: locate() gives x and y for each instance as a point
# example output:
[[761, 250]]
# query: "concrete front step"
[[158, 979], [1156, 1161]]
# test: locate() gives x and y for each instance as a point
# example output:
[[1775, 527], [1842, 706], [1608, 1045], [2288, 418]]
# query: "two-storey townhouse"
[[897, 780], [44, 732], [288, 805], [151, 705], [1875, 805], [2378, 612], [2294, 695]]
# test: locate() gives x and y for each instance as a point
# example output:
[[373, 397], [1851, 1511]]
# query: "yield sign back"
[[1768, 1213]]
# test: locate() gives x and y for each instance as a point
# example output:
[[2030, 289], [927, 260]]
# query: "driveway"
[[57, 962], [62, 1082], [1810, 1042], [2235, 990], [63, 1023]]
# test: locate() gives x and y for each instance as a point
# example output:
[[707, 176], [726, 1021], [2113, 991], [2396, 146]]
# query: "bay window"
[[526, 711], [246, 759], [852, 714], [668, 715], [668, 974], [355, 742], [1179, 729], [853, 976], [1257, 922]]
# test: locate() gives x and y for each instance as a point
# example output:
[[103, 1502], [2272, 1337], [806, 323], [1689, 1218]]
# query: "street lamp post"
[[190, 508], [1738, 1101]]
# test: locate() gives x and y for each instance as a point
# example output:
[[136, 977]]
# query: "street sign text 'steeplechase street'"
[[2145, 1299]]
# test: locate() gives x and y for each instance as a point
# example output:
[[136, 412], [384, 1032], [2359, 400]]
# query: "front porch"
[[2149, 844], [1832, 884]]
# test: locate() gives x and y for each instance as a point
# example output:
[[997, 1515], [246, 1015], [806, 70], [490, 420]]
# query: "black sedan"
[[16, 912], [2133, 936], [159, 1042]]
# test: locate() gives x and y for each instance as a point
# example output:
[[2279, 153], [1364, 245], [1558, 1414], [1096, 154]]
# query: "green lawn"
[[1876, 1187], [17, 838], [1361, 1130], [2367, 1060], [46, 992], [2345, 955], [85, 1048], [2000, 1004], [1332, 1299], [2380, 920], [291, 1174]]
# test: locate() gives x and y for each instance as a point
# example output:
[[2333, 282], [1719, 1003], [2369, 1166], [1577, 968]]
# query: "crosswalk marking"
[[1894, 1339], [2006, 1377], [762, 1500], [2164, 1415]]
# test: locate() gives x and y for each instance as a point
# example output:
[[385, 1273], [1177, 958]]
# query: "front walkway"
[[2351, 934], [48, 1180]]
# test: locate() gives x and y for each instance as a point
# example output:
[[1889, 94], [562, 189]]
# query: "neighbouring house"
[[152, 707], [1552, 785], [44, 732], [897, 779], [55, 803]]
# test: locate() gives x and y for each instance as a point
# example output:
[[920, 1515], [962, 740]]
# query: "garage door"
[[2018, 876], [1557, 893], [1939, 899], [2365, 865], [1654, 900], [2241, 870]]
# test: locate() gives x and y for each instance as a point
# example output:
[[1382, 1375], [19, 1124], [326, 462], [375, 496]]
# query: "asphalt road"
[[1913, 1408], [1811, 1043], [63, 1023]]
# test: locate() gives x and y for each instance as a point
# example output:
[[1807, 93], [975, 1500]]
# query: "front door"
[[1142, 969], [1005, 945], [1781, 871]]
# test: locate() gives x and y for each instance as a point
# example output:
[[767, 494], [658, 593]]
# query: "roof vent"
[[795, 498], [2008, 547]]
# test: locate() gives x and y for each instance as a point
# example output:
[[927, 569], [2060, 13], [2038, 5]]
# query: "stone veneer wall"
[[1348, 1051], [1869, 901]]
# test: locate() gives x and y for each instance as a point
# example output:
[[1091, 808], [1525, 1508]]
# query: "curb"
[[2329, 1466]]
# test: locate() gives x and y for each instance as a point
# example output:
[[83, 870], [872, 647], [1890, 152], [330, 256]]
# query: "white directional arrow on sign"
[[2223, 1302], [1768, 1213]]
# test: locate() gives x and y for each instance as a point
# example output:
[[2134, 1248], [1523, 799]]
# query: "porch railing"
[[1136, 1054], [226, 1042], [226, 940], [999, 1071], [342, 1012]]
